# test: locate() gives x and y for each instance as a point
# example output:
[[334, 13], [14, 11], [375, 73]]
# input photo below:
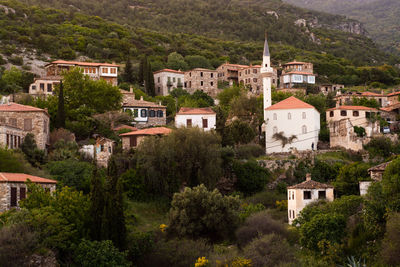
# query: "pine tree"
[[128, 72], [96, 206], [60, 122]]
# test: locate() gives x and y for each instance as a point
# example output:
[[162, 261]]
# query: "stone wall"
[[202, 79]]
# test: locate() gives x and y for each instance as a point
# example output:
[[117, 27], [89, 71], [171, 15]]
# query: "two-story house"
[[166, 80], [296, 73], [230, 72], [251, 77], [202, 79]]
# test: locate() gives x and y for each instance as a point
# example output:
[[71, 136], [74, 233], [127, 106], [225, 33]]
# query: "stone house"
[[376, 174], [297, 73], [251, 77], [393, 98], [13, 188], [54, 71], [305, 193], [201, 79], [145, 113], [166, 80], [102, 150], [204, 118], [347, 98], [330, 88], [230, 72], [134, 138], [18, 120], [341, 122]]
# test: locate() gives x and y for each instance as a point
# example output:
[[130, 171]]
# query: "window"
[[275, 117], [304, 115], [12, 122], [356, 113], [275, 130], [201, 83], [27, 124], [152, 113], [321, 194], [343, 113], [45, 126], [201, 74], [109, 149], [105, 70], [13, 199], [254, 70], [255, 80], [160, 113], [49, 87], [22, 193], [2, 120], [289, 116], [189, 123], [304, 129], [174, 79], [159, 90], [86, 70], [158, 79], [292, 194], [113, 70], [133, 141], [212, 83], [306, 194], [331, 114], [42, 86], [33, 87], [205, 123], [212, 75], [293, 215], [102, 148], [290, 214], [143, 113]]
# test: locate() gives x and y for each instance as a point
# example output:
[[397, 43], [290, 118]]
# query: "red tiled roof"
[[169, 70], [394, 93], [352, 108], [14, 107], [150, 131], [22, 178], [82, 63], [370, 94], [391, 107], [195, 111], [299, 72], [235, 65], [310, 184], [290, 103], [296, 63], [123, 126], [201, 69]]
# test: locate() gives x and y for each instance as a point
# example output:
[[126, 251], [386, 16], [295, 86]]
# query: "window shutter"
[[22, 193], [13, 201]]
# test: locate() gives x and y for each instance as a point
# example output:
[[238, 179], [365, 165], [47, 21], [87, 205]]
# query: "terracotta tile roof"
[[391, 107], [169, 70], [129, 101], [299, 72], [295, 63], [235, 65], [149, 131], [352, 108], [195, 111], [394, 93], [290, 103], [380, 167], [14, 107], [22, 178], [310, 184], [123, 126], [370, 94], [79, 63], [200, 69]]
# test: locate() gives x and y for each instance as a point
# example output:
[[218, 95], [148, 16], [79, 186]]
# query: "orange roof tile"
[[79, 63], [310, 184], [195, 111], [296, 63], [149, 131], [14, 107], [169, 70], [370, 94], [352, 108], [22, 178], [394, 93], [391, 107], [299, 72], [290, 103]]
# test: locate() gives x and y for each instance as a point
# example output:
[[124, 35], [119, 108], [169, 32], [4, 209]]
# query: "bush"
[[139, 244], [347, 182], [35, 156], [270, 250], [258, 225], [134, 185], [360, 131], [249, 151], [379, 147], [248, 209], [267, 198], [391, 243], [99, 253], [198, 213], [251, 177]]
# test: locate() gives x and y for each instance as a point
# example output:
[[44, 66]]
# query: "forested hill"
[[380, 17], [235, 20]]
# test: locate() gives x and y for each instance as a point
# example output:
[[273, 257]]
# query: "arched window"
[[289, 116], [356, 113], [331, 114], [343, 113], [304, 129], [304, 115], [275, 117], [160, 113], [275, 130], [143, 113], [152, 113]]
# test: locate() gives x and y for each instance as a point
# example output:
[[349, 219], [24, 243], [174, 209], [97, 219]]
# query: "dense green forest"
[[380, 17]]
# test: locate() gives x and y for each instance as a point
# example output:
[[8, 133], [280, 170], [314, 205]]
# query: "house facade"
[[297, 73], [133, 139], [251, 77], [305, 193], [17, 120], [330, 88], [166, 80], [13, 188], [204, 118], [347, 99], [43, 86], [145, 113], [292, 118], [202, 79], [342, 120], [229, 72], [102, 151]]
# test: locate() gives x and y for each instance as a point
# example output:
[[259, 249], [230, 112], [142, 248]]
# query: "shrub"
[[61, 134], [139, 244], [270, 250], [391, 243], [379, 147], [360, 131], [249, 151], [198, 212], [267, 198], [347, 182], [258, 225], [99, 253], [251, 177], [134, 185], [35, 156], [248, 209]]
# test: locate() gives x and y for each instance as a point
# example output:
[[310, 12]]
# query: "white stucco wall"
[[197, 120], [291, 127]]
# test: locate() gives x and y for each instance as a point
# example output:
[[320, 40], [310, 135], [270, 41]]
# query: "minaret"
[[266, 73]]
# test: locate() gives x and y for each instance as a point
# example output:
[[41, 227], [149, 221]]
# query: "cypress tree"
[[96, 206], [60, 122], [150, 87], [142, 70], [128, 72]]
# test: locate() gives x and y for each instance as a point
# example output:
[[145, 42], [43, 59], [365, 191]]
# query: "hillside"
[[237, 20], [380, 17]]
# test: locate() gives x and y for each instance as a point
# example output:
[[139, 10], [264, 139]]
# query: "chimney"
[[308, 177], [131, 90], [160, 103], [141, 98]]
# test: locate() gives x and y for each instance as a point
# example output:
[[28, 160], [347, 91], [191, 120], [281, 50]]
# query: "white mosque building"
[[290, 124]]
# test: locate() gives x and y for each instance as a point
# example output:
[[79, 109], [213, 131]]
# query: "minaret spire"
[[266, 47]]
